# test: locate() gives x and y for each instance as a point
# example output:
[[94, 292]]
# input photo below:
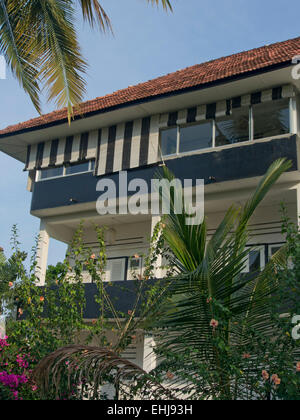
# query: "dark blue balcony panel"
[[123, 295], [235, 163]]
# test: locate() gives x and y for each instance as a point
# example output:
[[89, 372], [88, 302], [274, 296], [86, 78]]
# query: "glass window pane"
[[92, 165], [51, 173], [168, 141], [234, 128], [254, 261], [77, 168], [195, 137], [274, 249], [115, 270], [271, 119]]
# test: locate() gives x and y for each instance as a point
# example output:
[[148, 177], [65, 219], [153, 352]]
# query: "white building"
[[224, 121]]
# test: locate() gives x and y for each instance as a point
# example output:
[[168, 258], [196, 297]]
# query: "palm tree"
[[207, 287], [39, 42]]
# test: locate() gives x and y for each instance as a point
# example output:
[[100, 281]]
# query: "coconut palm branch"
[[95, 365], [39, 42], [210, 285]]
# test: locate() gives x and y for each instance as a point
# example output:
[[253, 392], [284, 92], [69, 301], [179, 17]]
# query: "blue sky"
[[147, 43]]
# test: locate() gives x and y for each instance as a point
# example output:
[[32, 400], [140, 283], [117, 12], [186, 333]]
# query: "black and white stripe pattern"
[[128, 145], [222, 108], [71, 149], [134, 144]]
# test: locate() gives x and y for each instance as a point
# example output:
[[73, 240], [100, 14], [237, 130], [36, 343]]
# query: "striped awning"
[[135, 143], [72, 149]]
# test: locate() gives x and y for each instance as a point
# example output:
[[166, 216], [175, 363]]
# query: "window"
[[135, 267], [70, 169], [273, 249], [195, 137], [51, 173], [255, 260], [77, 168], [245, 123], [271, 119], [115, 269], [168, 141], [233, 129]]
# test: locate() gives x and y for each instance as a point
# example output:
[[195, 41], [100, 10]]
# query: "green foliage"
[[39, 41], [9, 273], [221, 333]]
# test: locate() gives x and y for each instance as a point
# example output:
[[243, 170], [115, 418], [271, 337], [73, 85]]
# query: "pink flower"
[[214, 323], [34, 388], [170, 375], [209, 300], [246, 356], [93, 256], [275, 379], [265, 375], [298, 367]]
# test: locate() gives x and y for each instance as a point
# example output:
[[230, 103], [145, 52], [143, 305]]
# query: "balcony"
[[236, 162]]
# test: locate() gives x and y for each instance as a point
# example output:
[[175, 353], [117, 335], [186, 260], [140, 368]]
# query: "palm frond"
[[94, 13], [62, 64], [18, 48], [93, 365], [213, 269], [166, 4]]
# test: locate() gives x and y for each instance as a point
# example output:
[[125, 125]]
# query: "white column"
[[149, 359], [42, 253], [158, 270], [293, 116], [298, 204], [2, 327]]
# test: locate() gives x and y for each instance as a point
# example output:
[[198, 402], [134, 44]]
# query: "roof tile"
[[190, 77]]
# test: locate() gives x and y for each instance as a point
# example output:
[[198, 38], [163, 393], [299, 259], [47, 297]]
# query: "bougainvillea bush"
[[15, 373]]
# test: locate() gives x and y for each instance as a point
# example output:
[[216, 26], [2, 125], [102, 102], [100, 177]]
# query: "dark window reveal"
[[77, 168], [195, 137], [51, 173], [168, 141], [234, 128], [271, 119]]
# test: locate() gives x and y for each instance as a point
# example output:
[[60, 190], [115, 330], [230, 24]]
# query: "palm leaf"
[[17, 48], [93, 12], [61, 64], [213, 269], [94, 363]]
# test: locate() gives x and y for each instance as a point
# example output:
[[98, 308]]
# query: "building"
[[224, 121]]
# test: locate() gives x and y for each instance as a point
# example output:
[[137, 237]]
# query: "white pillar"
[[298, 204], [149, 358], [2, 327], [158, 270], [293, 116], [42, 253]]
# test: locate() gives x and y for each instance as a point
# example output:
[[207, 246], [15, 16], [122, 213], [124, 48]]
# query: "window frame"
[[125, 269], [257, 247], [292, 108], [64, 174], [270, 246], [291, 118]]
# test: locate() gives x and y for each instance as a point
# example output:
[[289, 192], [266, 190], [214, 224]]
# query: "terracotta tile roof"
[[189, 78]]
